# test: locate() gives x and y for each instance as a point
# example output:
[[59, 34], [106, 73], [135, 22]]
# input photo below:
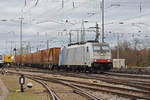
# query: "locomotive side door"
[[87, 55]]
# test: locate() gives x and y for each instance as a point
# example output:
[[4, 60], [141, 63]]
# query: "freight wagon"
[[41, 59], [8, 60], [46, 58]]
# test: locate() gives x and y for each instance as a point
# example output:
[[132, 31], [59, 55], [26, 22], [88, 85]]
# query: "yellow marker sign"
[[18, 90]]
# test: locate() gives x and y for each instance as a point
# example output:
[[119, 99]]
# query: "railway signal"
[[22, 82]]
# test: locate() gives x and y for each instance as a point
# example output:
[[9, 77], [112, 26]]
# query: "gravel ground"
[[87, 80], [65, 92], [4, 90], [37, 92], [108, 96]]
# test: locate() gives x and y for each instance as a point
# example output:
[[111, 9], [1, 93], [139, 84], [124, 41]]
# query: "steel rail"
[[52, 79], [112, 80], [128, 75], [82, 91], [54, 96], [95, 89], [109, 80], [70, 85], [37, 78]]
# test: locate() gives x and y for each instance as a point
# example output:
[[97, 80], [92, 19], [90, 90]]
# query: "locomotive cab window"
[[96, 48], [105, 49], [99, 48]]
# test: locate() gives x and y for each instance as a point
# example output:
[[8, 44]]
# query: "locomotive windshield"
[[101, 48]]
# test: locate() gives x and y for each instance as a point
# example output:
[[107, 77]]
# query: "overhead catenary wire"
[[70, 11]]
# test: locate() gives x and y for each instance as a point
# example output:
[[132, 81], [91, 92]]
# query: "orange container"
[[37, 57], [17, 59], [27, 59], [23, 59], [54, 56], [43, 57]]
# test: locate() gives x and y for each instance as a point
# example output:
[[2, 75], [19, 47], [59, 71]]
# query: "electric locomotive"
[[88, 56]]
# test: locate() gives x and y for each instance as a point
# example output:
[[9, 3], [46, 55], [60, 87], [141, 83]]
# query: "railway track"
[[132, 70], [128, 75], [143, 85], [128, 93], [76, 89], [105, 73], [29, 69], [53, 95]]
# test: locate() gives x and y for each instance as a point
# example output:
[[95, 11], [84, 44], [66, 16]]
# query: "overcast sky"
[[46, 20]]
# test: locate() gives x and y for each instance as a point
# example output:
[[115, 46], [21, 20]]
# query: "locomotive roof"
[[82, 43]]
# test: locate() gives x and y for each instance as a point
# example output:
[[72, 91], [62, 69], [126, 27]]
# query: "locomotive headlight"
[[94, 60], [102, 54], [108, 60]]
